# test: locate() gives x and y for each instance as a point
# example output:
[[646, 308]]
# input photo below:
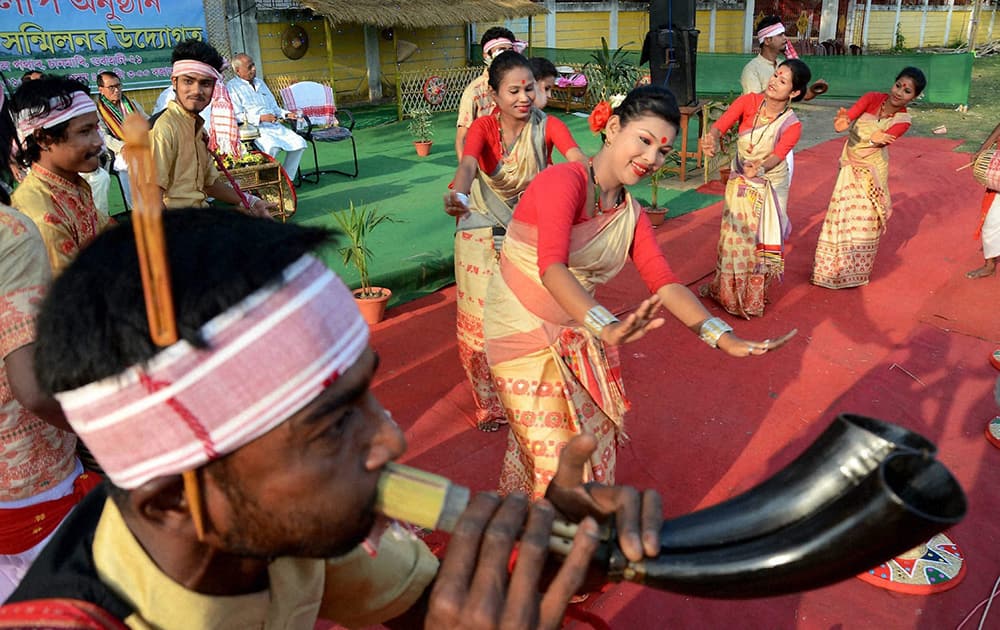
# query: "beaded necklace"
[[503, 145], [764, 130], [598, 210]]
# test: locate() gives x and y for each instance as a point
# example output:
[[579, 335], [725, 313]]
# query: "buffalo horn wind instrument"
[[863, 492]]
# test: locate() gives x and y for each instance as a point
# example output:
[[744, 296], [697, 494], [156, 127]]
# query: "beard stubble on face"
[[306, 531]]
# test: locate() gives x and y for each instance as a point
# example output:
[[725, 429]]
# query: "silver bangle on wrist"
[[712, 330], [597, 318]]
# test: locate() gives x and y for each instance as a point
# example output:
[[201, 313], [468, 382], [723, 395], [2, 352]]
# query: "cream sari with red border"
[[491, 202], [859, 208], [754, 224], [554, 378]]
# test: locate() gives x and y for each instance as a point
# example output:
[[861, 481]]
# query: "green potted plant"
[[357, 223], [656, 214], [611, 71], [422, 129]]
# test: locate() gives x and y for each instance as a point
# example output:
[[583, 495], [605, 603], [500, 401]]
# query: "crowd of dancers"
[[534, 240]]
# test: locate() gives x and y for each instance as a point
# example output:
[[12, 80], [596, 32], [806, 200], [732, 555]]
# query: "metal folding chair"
[[315, 103]]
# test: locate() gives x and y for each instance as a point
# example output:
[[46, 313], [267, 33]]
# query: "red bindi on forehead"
[[663, 140]]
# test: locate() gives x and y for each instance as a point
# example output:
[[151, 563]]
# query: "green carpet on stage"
[[414, 256]]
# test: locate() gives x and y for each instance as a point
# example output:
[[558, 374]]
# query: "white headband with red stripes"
[[267, 357], [770, 31], [29, 121]]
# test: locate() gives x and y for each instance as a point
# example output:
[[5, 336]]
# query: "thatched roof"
[[422, 13]]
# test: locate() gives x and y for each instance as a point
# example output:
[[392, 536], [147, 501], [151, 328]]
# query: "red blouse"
[[744, 109], [556, 200], [870, 103], [483, 141]]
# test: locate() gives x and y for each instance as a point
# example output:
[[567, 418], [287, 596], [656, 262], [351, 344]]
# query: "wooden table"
[[683, 154], [569, 97]]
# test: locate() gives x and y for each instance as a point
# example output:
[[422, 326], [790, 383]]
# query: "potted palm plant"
[[656, 214], [611, 71], [727, 141], [357, 223], [422, 129]]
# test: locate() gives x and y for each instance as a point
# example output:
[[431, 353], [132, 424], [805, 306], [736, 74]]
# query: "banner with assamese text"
[[79, 38]]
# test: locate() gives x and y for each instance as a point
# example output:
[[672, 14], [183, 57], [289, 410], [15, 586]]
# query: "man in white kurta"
[[253, 102]]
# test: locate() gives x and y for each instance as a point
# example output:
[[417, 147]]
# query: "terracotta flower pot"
[[423, 147], [372, 308], [657, 215]]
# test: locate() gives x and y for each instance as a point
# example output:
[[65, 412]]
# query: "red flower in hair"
[[598, 118]]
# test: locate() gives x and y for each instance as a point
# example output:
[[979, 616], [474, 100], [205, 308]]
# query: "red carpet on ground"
[[911, 347]]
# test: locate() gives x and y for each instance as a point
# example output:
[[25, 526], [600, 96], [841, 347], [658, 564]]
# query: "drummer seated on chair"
[[253, 102]]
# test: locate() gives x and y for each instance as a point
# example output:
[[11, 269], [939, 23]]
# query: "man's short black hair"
[[197, 50], [93, 321], [105, 73], [542, 68], [494, 33], [767, 20], [35, 96]]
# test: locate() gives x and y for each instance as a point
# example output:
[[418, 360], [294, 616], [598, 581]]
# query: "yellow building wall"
[[436, 47], [909, 27], [881, 35], [983, 31], [582, 30], [441, 47], [728, 31], [959, 26], [934, 29], [632, 27]]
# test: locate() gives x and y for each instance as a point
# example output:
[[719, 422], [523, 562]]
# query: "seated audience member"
[[113, 106], [57, 128], [253, 102], [185, 168], [243, 459]]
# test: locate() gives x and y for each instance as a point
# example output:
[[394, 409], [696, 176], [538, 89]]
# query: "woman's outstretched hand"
[[709, 145], [881, 137], [841, 121], [737, 347], [635, 325]]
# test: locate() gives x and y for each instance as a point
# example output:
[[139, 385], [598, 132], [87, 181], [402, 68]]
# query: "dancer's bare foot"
[[985, 271]]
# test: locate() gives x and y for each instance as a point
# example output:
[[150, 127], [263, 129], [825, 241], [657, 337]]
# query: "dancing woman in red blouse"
[[755, 220], [860, 206], [551, 346], [503, 153]]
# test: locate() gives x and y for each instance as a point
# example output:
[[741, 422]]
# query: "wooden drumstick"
[[962, 168], [147, 221], [147, 204]]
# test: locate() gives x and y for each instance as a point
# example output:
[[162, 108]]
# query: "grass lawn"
[[984, 108]]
